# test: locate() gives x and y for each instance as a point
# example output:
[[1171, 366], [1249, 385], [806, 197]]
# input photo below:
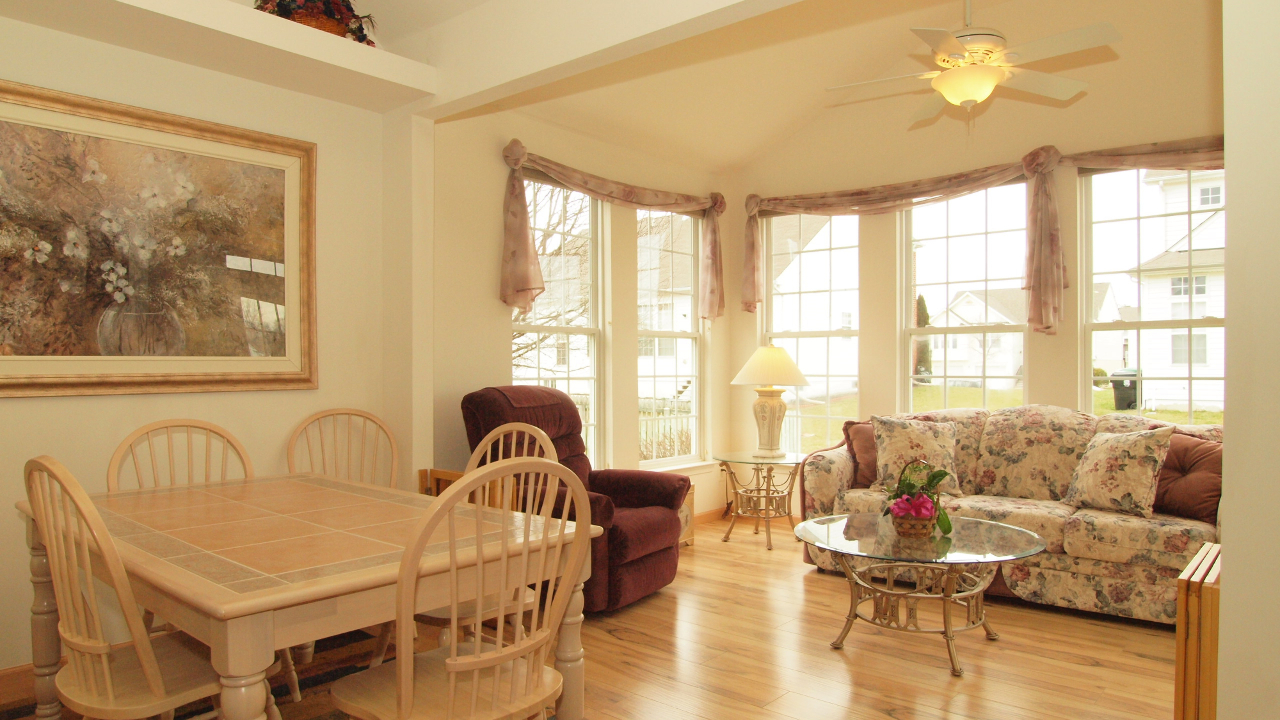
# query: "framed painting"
[[142, 252]]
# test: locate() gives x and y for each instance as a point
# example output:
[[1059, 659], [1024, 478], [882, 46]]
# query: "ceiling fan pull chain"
[[968, 13]]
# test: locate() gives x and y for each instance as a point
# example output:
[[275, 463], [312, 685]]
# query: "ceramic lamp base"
[[769, 409]]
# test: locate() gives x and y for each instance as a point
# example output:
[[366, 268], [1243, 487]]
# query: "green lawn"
[[1104, 402]]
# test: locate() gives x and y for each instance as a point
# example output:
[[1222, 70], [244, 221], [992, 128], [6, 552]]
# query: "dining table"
[[251, 567]]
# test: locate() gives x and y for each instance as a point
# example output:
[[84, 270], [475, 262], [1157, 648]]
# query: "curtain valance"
[[521, 274], [1046, 273]]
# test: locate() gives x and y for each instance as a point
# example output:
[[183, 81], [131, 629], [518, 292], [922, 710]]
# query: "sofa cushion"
[[636, 532], [860, 439], [901, 442], [1031, 451], [969, 424], [1119, 471], [1191, 480], [1123, 423], [1161, 541], [1046, 518], [860, 500]]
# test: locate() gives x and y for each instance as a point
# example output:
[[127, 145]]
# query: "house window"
[[966, 309], [669, 334], [811, 311], [1156, 264], [1199, 348], [557, 344]]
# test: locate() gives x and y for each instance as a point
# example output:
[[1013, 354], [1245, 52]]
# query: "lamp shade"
[[968, 85], [770, 365]]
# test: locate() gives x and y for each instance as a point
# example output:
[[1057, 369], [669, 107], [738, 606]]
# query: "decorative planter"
[[912, 527], [137, 328], [320, 22]]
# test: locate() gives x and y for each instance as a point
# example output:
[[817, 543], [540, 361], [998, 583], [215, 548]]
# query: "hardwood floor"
[[743, 633]]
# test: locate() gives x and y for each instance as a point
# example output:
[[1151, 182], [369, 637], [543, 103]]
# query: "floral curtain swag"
[[1046, 273], [521, 274]]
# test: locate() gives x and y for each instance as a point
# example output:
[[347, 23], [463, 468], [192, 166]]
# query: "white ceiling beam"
[[503, 47]]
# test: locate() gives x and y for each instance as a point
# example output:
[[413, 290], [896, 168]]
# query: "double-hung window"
[[557, 344], [668, 333], [812, 312], [1156, 248], [966, 310]]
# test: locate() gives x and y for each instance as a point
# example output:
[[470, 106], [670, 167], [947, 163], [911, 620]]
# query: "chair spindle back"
[[347, 444], [521, 538], [178, 452], [76, 539]]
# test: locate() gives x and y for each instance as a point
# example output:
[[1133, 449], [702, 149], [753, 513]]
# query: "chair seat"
[[371, 695], [184, 665], [440, 617], [641, 531]]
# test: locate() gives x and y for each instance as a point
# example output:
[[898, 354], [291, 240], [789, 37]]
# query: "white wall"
[[82, 432], [473, 328], [1248, 672]]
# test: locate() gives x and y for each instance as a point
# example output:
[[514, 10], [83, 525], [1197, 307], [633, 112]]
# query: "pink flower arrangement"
[[919, 505]]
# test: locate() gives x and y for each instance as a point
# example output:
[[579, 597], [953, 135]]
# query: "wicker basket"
[[915, 528], [320, 22]]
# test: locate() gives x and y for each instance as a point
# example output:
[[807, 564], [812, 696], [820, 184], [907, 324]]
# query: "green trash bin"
[[1124, 388]]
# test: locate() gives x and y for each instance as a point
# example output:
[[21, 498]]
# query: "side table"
[[765, 496]]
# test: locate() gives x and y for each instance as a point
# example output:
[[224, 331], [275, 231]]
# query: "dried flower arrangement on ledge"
[[332, 16]]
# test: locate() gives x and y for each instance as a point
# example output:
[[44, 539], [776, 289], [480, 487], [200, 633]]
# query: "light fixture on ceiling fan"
[[975, 60]]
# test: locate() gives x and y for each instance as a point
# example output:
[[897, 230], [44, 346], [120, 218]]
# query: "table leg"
[[949, 589], [244, 697], [768, 507], [46, 645], [731, 482], [855, 596], [570, 656]]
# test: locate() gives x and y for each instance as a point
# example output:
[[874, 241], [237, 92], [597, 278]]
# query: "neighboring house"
[[966, 355]]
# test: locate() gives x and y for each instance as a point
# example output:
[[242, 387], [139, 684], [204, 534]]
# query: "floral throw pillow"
[[899, 442], [1119, 472]]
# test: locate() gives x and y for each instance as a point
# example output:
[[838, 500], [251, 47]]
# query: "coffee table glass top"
[[871, 535], [747, 458]]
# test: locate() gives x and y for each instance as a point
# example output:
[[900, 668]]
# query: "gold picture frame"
[[82, 262]]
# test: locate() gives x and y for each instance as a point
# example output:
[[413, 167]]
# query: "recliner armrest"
[[640, 488]]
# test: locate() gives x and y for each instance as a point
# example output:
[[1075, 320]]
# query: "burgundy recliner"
[[637, 554]]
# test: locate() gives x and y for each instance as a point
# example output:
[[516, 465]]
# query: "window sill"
[[677, 465]]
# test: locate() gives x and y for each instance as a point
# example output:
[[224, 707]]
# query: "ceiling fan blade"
[[921, 76], [930, 108], [942, 42], [1068, 42], [1054, 86]]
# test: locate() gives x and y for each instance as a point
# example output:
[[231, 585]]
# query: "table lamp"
[[769, 366]]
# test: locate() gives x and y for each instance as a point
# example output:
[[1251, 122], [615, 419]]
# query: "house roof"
[[1175, 258], [1009, 302]]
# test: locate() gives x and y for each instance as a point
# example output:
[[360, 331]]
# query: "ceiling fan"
[[974, 60]]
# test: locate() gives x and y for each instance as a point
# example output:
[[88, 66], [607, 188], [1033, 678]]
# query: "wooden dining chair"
[[149, 675], [177, 452], [512, 440], [185, 452], [345, 443], [491, 554]]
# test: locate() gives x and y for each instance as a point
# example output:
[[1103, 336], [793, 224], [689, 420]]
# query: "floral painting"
[[110, 247]]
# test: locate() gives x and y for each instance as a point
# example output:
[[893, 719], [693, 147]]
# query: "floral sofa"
[[1015, 466]]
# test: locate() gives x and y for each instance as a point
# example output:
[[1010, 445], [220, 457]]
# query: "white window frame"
[[911, 333], [698, 430], [768, 334], [1088, 326], [593, 431]]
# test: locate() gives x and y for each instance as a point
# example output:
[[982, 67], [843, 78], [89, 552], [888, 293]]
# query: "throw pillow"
[[860, 438], [1119, 471], [898, 442], [1190, 483]]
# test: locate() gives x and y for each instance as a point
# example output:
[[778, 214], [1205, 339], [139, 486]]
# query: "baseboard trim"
[[17, 686], [717, 513]]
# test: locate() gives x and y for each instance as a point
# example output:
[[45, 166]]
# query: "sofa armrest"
[[601, 508], [641, 488], [824, 474]]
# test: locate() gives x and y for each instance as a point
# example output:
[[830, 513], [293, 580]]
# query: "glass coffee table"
[[953, 569]]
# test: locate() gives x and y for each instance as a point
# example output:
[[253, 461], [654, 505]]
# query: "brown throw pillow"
[[1190, 484], [860, 438]]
